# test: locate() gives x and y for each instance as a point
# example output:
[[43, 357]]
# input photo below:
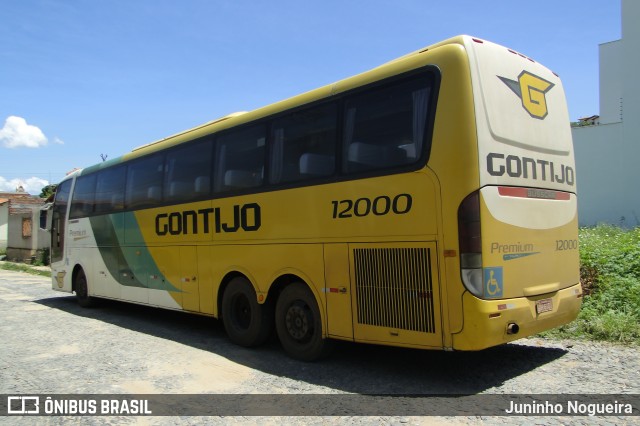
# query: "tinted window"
[[83, 196], [304, 145], [240, 158], [386, 127], [188, 172], [110, 190], [144, 182]]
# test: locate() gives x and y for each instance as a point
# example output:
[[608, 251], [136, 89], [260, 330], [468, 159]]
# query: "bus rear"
[[518, 234]]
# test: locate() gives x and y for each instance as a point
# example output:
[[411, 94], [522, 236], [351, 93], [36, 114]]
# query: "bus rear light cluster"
[[470, 242]]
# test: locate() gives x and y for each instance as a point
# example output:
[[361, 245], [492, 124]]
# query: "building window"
[[26, 227]]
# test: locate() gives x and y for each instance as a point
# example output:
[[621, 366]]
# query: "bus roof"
[[403, 63], [237, 118]]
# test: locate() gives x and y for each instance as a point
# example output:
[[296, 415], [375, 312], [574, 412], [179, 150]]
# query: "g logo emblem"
[[531, 90]]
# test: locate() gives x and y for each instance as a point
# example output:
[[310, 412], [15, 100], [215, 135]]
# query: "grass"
[[610, 277], [21, 267]]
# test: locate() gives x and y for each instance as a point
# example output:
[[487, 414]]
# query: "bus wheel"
[[247, 322], [299, 325], [82, 290]]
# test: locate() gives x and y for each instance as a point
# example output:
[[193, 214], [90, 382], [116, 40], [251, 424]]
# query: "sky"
[[84, 78]]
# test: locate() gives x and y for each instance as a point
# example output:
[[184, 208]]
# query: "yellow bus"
[[427, 203]]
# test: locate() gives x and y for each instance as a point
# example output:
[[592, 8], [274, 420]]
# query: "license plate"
[[544, 305]]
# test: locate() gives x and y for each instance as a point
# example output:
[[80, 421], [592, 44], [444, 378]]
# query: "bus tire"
[[82, 290], [247, 322], [299, 324]]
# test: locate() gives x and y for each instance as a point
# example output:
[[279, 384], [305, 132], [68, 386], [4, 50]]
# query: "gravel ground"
[[49, 345]]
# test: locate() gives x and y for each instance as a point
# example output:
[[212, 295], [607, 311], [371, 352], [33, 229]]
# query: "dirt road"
[[50, 345]]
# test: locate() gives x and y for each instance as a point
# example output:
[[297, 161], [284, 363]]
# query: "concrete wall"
[[4, 225], [607, 154], [607, 187], [611, 82], [631, 64], [23, 248]]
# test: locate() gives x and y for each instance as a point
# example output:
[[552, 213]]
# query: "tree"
[[48, 191]]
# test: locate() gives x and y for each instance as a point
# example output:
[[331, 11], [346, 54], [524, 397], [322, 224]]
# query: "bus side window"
[[188, 173], [82, 202], [240, 159], [385, 127], [304, 144], [144, 182], [110, 190], [202, 185]]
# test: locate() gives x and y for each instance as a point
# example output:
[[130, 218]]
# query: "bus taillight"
[[470, 241]]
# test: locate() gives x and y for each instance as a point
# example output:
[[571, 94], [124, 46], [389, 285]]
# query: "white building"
[[20, 235], [4, 224], [608, 151]]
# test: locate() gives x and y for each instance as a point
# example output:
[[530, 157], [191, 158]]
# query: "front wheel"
[[82, 290], [247, 322], [299, 325]]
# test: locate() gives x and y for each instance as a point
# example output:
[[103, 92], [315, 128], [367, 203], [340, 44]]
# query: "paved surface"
[[50, 345]]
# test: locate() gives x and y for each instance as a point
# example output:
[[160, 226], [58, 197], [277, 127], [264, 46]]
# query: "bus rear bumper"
[[490, 322]]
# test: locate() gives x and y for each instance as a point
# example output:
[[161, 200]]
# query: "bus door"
[[59, 217], [395, 294], [58, 232]]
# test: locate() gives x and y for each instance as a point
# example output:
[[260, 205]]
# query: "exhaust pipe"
[[512, 328]]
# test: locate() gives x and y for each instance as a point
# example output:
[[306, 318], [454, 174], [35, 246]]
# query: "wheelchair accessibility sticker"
[[493, 283]]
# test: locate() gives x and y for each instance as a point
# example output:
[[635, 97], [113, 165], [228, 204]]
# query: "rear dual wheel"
[[247, 322], [297, 317], [299, 324]]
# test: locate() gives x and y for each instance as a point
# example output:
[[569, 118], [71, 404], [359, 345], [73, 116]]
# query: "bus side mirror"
[[45, 217]]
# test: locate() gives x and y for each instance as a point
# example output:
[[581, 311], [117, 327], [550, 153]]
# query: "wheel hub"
[[299, 322], [242, 312]]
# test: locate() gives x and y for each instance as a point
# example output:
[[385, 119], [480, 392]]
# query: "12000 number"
[[379, 206], [566, 245]]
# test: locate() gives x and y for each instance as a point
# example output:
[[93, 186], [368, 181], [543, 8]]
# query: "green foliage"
[[610, 277], [611, 250], [42, 257], [48, 190], [19, 267]]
